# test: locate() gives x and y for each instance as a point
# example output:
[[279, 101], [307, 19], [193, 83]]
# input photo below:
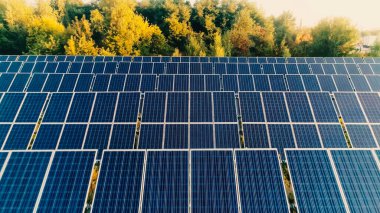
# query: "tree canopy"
[[166, 27]]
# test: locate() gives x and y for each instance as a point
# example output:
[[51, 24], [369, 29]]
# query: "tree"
[[334, 37], [217, 48], [375, 50], [285, 34]]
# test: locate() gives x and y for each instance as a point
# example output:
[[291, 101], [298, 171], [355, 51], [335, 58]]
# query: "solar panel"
[[327, 83], [75, 67], [360, 83], [275, 107], [349, 108], [197, 83], [352, 69], [255, 69], [251, 107], [87, 68], [262, 83], [246, 83], [314, 183], [230, 83], [148, 83], [27, 67], [31, 107], [371, 106], [316, 69], [101, 82], [342, 83], [51, 67], [280, 69], [5, 81], [340, 69], [365, 69], [123, 67], [200, 107], [306, 136], [47, 137], [37, 82], [135, 68], [97, 137], [323, 107], [147, 68], [104, 107], [268, 69], [375, 68], [281, 137], [243, 69], [220, 68], [295, 82], [299, 108], [57, 108], [132, 83], [166, 83], [119, 183], [172, 68], [227, 136], [110, 67], [277, 83], [4, 66], [72, 136], [83, 83], [19, 83], [332, 136], [374, 82], [128, 107], [116, 83], [19, 189], [260, 182], [232, 68], [181, 83], [359, 176], [9, 106], [361, 136], [151, 136], [68, 83], [123, 136], [212, 82], [255, 136], [52, 83], [224, 107], [213, 186], [62, 67], [154, 107], [81, 106], [201, 136], [66, 167], [4, 129], [177, 107], [207, 68], [292, 69], [14, 67], [183, 68]]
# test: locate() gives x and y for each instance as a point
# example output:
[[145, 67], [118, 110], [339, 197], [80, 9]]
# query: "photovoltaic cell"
[[148, 83], [68, 83], [22, 179], [295, 83], [315, 186], [374, 82], [128, 107], [224, 107], [52, 83], [166, 83], [311, 83], [275, 107], [5, 81], [97, 138], [246, 83], [4, 129], [201, 136], [9, 106], [277, 83], [212, 83], [37, 82], [340, 69], [47, 137], [260, 182], [132, 83], [299, 107], [197, 83], [281, 137], [268, 69], [101, 82], [72, 136], [181, 83], [359, 176], [83, 83], [151, 136], [57, 108], [255, 136], [119, 183], [32, 107], [360, 83], [166, 170], [342, 83], [230, 83], [316, 69], [19, 83], [123, 136], [323, 107], [104, 108], [200, 107], [116, 83], [327, 83], [332, 136], [176, 136], [154, 107], [280, 69], [349, 108], [371, 106], [361, 136], [213, 184], [70, 175], [306, 136], [251, 107], [227, 136], [81, 107]]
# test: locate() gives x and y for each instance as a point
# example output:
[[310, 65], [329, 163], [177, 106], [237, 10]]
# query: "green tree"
[[284, 33], [375, 50], [334, 37]]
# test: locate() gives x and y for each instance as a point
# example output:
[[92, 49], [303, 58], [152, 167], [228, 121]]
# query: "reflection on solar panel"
[[359, 174], [213, 187], [119, 184], [19, 189], [166, 170], [69, 175], [315, 186], [260, 182]]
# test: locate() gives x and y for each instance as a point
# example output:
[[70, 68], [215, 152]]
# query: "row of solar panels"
[[132, 82], [189, 120], [185, 68], [60, 58], [191, 181]]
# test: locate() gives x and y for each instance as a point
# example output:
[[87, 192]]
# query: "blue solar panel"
[[4, 129], [332, 136], [212, 83], [31, 107], [220, 68], [154, 107], [166, 170], [58, 106], [328, 68], [123, 136], [183, 68], [232, 68], [299, 107], [117, 83], [148, 83], [280, 69], [132, 83], [207, 68], [110, 67], [66, 167], [292, 69], [316, 69], [260, 182], [166, 83], [135, 68], [360, 176], [360, 83], [323, 107], [128, 107], [14, 67], [213, 187], [9, 106], [340, 69], [365, 69], [374, 82], [277, 82], [200, 107], [97, 138], [224, 107], [255, 136], [147, 68], [201, 136], [172, 68], [311, 83], [47, 137], [327, 83], [314, 182], [103, 110], [4, 66], [176, 136], [87, 68], [37, 82], [27, 67], [243, 69], [246, 83], [159, 68], [343, 83], [68, 83], [62, 67], [99, 67], [255, 69], [5, 81], [195, 68], [75, 67], [52, 83], [19, 83], [72, 136], [101, 82], [181, 83], [227, 136], [361, 136], [306, 136], [371, 106], [230, 83], [268, 69], [83, 83], [197, 83], [123, 67], [3, 156], [375, 68], [295, 83], [251, 107], [151, 136], [51, 67], [349, 108], [81, 107], [281, 137], [119, 183], [275, 107], [177, 107], [21, 181]]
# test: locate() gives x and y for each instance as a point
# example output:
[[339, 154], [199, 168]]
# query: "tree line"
[[166, 27]]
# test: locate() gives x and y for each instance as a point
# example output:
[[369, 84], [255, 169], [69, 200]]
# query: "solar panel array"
[[189, 133]]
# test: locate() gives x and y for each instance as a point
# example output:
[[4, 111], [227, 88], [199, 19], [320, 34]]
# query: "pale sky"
[[365, 14]]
